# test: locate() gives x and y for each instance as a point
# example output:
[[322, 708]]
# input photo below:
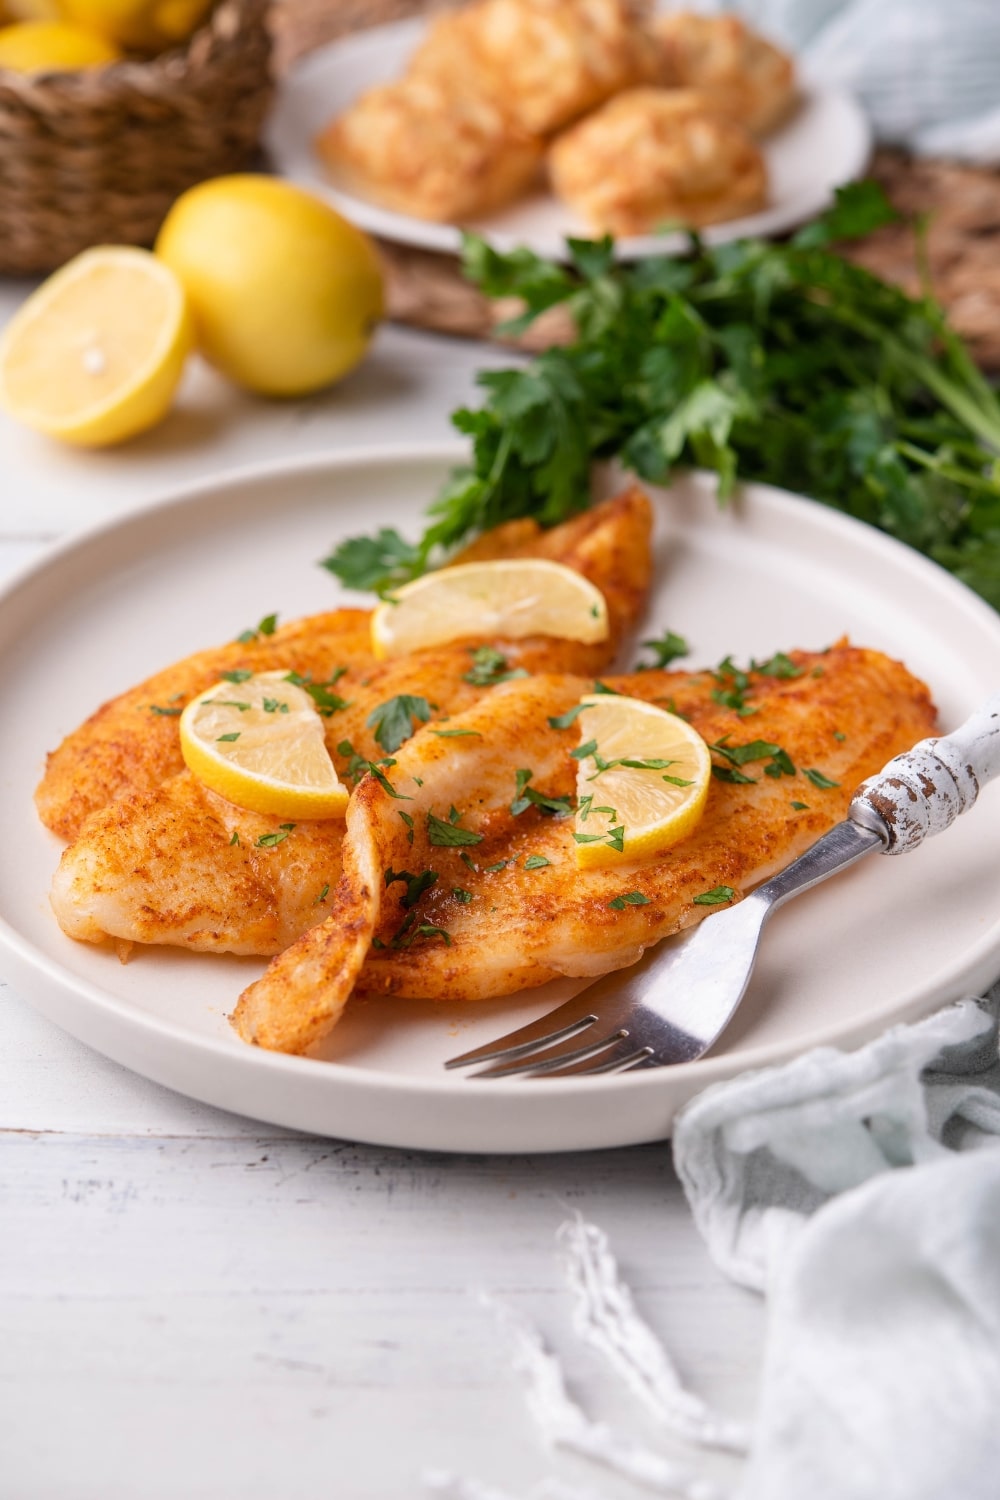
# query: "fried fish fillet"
[[741, 73], [131, 744], [173, 863], [461, 921]]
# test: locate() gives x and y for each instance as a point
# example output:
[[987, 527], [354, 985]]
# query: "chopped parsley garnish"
[[269, 840], [395, 720], [779, 665], [582, 751], [818, 779], [490, 667], [228, 739], [358, 766], [232, 703], [326, 703], [461, 894], [779, 762], [602, 687], [234, 840], [563, 721], [629, 898], [165, 713], [322, 895], [525, 796], [449, 835], [267, 626], [469, 861], [501, 864], [732, 686], [415, 884], [455, 734], [536, 862], [274, 706], [409, 824], [241, 675], [801, 806], [666, 648], [717, 896], [423, 929], [838, 734], [375, 562], [616, 838]]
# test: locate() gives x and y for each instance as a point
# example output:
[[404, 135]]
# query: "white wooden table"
[[196, 1305]]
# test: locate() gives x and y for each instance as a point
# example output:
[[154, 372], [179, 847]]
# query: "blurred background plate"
[[824, 145]]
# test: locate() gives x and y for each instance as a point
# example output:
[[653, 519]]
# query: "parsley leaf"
[[818, 779], [490, 667], [536, 862], [717, 896], [666, 648], [449, 835], [396, 719], [269, 840], [415, 884], [628, 898]]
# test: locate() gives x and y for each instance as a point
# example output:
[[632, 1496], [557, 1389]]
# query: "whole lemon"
[[147, 25], [52, 47], [285, 292]]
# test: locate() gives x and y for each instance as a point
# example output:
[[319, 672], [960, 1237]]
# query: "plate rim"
[[352, 1078], [446, 238]]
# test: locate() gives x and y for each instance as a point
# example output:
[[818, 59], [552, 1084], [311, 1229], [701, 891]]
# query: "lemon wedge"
[[642, 786], [49, 46], [509, 598], [94, 355], [259, 743]]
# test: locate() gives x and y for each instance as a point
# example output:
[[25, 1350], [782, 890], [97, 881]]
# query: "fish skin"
[[125, 747], [523, 928]]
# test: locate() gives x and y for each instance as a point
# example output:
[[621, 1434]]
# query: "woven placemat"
[[961, 205]]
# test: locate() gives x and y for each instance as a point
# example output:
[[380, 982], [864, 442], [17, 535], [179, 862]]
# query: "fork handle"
[[922, 792]]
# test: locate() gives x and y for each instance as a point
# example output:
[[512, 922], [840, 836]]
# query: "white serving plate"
[[826, 144], [884, 942]]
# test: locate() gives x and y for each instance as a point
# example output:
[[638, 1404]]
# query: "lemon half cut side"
[[95, 354], [636, 807], [259, 743], [507, 598]]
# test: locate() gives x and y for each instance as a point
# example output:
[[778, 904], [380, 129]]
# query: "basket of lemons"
[[109, 109]]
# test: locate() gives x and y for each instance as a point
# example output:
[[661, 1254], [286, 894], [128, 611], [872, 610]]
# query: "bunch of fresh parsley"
[[781, 363]]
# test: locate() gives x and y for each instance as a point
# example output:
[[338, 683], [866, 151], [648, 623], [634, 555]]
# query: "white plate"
[[888, 940], [826, 143]]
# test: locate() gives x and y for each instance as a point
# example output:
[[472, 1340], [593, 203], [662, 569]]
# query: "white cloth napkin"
[[926, 71], [861, 1192]]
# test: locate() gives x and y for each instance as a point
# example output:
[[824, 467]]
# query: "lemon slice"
[[508, 598], [259, 743], [95, 354], [637, 806]]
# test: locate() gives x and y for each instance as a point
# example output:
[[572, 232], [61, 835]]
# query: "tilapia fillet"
[[511, 910], [160, 859], [131, 743]]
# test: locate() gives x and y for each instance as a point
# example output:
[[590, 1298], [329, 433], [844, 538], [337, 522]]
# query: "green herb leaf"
[[490, 667], [239, 676], [449, 835], [536, 862], [460, 894], [322, 896], [717, 896], [269, 840], [629, 898], [376, 562], [666, 648], [165, 713], [415, 884], [223, 739], [563, 721], [818, 779], [396, 719]]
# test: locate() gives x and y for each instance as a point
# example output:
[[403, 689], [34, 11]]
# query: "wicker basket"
[[97, 157]]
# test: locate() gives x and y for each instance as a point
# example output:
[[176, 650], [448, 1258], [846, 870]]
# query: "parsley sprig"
[[774, 362]]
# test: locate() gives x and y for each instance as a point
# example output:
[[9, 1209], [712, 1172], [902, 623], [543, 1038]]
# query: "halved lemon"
[[259, 743], [95, 354], [509, 598], [642, 786]]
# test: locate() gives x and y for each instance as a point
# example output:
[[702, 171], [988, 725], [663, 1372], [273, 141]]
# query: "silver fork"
[[673, 1005]]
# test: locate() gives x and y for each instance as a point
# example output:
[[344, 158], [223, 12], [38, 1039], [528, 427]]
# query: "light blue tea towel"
[[926, 71], [861, 1192]]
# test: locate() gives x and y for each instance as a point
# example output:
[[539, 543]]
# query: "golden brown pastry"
[[544, 61], [743, 75], [653, 157], [423, 150]]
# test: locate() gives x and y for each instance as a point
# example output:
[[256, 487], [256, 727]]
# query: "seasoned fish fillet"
[[464, 921], [740, 72], [544, 62], [650, 156], [157, 865], [131, 743]]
